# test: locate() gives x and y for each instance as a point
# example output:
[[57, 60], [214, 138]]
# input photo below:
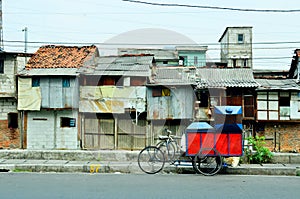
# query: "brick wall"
[[9, 138], [289, 136]]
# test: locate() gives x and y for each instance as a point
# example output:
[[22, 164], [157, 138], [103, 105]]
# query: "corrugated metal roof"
[[278, 84], [220, 78], [159, 54], [135, 65], [174, 76]]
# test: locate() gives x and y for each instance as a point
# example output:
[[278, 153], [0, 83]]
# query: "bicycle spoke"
[[151, 160]]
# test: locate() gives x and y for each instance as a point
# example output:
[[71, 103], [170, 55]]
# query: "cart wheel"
[[168, 148], [151, 160], [208, 162]]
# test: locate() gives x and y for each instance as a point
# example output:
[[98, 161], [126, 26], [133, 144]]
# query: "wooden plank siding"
[[130, 135], [99, 133]]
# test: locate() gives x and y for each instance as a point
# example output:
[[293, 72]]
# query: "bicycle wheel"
[[151, 160], [208, 162], [168, 148]]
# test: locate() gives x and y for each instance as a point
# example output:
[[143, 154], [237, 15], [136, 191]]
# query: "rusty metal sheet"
[[101, 106]]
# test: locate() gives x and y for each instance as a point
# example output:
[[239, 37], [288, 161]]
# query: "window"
[[12, 120], [240, 38], [35, 82], [66, 82], [284, 105], [165, 62], [1, 66], [245, 62], [195, 61], [185, 60], [160, 92], [203, 98], [234, 62], [67, 122], [249, 106]]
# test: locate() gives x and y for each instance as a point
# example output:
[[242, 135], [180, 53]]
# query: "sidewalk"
[[121, 161]]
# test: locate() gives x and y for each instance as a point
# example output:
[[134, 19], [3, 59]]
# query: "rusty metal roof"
[[278, 84], [52, 56], [222, 78], [174, 76], [134, 65]]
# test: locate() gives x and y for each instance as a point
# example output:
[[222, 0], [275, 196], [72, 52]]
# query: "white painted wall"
[[44, 130], [40, 132]]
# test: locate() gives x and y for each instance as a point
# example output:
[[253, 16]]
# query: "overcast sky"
[[85, 22]]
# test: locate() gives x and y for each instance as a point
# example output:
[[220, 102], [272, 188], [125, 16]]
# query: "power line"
[[211, 7], [148, 44]]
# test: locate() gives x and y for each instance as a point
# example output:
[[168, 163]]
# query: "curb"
[[133, 168]]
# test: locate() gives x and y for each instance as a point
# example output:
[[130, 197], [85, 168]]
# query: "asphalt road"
[[143, 186]]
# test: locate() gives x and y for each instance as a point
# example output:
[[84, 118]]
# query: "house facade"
[[10, 64], [170, 99], [113, 102], [192, 55], [278, 115], [227, 86], [48, 95], [236, 47]]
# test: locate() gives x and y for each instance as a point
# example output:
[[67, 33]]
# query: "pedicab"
[[203, 145]]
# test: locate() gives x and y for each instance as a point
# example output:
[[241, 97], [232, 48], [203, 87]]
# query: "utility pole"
[[25, 38], [25, 43], [1, 29]]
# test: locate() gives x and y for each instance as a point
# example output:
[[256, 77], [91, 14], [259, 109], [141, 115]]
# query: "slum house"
[[228, 86], [278, 113], [170, 99], [163, 57], [48, 96], [278, 107], [192, 55], [113, 102], [10, 64]]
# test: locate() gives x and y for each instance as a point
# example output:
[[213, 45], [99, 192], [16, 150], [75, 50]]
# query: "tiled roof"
[[52, 56], [278, 84], [220, 78], [133, 65]]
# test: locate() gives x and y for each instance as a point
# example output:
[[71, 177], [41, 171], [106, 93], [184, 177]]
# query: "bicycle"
[[151, 159], [169, 146]]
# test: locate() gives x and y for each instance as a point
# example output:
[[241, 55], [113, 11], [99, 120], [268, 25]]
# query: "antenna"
[[1, 29]]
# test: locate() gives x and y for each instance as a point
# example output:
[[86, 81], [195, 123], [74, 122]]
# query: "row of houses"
[[70, 97]]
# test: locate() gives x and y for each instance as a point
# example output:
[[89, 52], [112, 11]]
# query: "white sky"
[[85, 22]]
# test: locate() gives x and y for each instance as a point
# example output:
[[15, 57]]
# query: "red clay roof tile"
[[52, 56]]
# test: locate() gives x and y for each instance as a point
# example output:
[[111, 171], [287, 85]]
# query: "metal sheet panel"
[[104, 106], [45, 88], [112, 99], [175, 106], [56, 93]]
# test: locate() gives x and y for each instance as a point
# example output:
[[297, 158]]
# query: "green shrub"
[[260, 153]]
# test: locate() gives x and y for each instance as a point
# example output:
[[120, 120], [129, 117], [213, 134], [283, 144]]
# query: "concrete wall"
[[44, 130], [231, 48], [8, 79]]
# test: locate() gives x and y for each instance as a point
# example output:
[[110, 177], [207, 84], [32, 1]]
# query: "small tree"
[[260, 153]]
